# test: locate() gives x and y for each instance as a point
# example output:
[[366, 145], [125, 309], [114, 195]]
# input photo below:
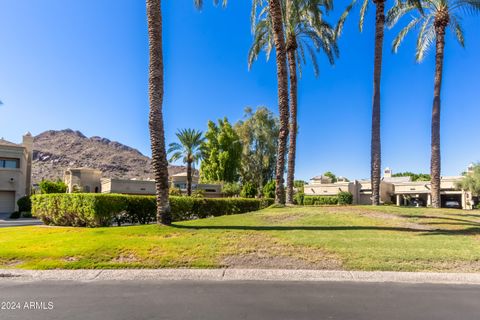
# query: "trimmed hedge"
[[320, 200], [96, 210], [345, 198], [342, 198]]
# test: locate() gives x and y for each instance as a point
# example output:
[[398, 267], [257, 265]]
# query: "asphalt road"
[[236, 300]]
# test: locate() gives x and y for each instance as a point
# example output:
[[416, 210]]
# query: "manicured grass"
[[351, 238]]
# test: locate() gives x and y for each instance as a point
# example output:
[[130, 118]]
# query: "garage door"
[[7, 202]]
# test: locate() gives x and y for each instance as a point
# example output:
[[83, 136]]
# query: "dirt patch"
[[125, 258], [10, 263], [284, 218], [260, 252], [400, 221], [455, 266], [71, 259]]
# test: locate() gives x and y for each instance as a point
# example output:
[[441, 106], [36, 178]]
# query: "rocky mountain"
[[55, 151]]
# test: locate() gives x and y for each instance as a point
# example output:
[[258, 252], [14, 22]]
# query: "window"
[[9, 163]]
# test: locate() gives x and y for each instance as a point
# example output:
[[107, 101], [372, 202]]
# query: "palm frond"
[[343, 18], [363, 12], [425, 40], [396, 12], [401, 35], [457, 30]]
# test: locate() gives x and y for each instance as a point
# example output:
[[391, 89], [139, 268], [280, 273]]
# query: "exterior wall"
[[87, 180], [17, 180], [147, 187], [137, 187], [211, 190], [180, 181]]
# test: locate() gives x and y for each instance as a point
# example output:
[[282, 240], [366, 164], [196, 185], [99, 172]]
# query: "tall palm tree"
[[155, 120], [188, 149], [306, 33], [375, 149], [278, 33], [436, 17]]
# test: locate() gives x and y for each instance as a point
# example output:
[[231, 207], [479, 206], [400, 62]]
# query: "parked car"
[[452, 204], [417, 202]]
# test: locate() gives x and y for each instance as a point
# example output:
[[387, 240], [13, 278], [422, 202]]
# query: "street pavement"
[[236, 300]]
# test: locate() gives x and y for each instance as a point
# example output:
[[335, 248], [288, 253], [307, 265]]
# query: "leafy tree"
[[433, 20], [221, 152], [331, 175], [471, 181], [414, 176], [231, 189], [258, 133], [249, 190], [48, 186], [269, 189], [306, 32], [188, 150], [278, 35]]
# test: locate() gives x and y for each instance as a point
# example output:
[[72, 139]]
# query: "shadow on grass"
[[456, 221], [424, 232], [299, 228]]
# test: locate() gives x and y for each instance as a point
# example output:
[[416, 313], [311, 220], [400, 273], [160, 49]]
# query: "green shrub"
[[269, 189], [26, 214], [345, 198], [298, 198], [78, 209], [24, 204], [175, 192], [96, 210], [249, 190], [47, 187], [198, 193], [231, 189], [15, 215], [320, 200]]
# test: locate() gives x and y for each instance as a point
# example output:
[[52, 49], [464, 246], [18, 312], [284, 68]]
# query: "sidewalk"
[[240, 275]]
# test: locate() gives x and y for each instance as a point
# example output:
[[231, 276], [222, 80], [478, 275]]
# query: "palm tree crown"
[[188, 150], [305, 29], [189, 147], [437, 14]]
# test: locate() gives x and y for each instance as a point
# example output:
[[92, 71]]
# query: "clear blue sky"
[[83, 65]]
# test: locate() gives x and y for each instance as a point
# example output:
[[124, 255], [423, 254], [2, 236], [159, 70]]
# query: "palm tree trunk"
[[292, 63], [189, 178], [155, 120], [376, 156], [435, 163], [281, 57]]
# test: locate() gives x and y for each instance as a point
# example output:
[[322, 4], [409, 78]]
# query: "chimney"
[[28, 144], [387, 173], [470, 168]]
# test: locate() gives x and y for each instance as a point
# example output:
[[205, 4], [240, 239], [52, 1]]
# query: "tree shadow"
[[470, 222], [298, 228], [424, 232]]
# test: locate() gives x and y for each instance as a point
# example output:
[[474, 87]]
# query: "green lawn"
[[349, 238]]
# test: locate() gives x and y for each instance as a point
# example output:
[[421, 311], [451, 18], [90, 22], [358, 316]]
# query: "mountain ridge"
[[54, 151]]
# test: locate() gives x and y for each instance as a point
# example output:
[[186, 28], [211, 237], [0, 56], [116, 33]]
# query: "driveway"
[[5, 222], [232, 300]]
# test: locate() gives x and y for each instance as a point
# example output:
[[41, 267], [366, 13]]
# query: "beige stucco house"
[[401, 191], [15, 172], [91, 181], [83, 180]]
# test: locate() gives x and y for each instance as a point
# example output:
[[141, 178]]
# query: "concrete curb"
[[239, 275]]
